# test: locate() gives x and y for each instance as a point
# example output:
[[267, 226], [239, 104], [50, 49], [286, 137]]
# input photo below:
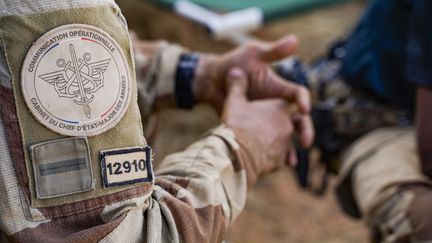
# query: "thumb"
[[280, 49], [236, 83]]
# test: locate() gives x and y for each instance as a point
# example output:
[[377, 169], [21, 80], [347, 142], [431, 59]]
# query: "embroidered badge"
[[75, 80], [126, 166]]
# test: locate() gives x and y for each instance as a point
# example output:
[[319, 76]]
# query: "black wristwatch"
[[185, 75]]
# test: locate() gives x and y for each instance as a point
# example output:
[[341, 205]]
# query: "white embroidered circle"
[[75, 80]]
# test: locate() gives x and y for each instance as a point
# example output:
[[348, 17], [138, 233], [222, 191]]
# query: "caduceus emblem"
[[78, 79]]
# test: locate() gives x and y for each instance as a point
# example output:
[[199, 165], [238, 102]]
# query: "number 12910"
[[118, 168]]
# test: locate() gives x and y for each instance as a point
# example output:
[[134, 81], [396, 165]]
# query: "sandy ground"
[[276, 210]]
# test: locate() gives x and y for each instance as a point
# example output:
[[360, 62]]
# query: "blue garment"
[[389, 52]]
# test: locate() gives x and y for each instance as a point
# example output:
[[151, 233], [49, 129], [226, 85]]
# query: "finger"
[[279, 49], [237, 85], [304, 127], [273, 86]]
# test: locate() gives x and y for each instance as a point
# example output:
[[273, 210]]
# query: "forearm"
[[206, 72], [216, 170], [207, 173]]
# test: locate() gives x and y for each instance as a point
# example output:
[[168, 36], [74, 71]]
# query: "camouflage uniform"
[[194, 195], [388, 55], [379, 173]]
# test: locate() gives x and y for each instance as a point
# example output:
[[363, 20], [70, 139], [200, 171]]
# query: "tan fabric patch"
[[62, 167]]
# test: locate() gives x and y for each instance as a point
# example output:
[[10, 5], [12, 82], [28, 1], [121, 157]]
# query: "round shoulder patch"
[[75, 80]]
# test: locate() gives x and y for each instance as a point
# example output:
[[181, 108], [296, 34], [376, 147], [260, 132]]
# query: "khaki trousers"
[[373, 171]]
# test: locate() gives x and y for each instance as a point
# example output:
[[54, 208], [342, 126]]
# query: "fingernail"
[[289, 41], [236, 73]]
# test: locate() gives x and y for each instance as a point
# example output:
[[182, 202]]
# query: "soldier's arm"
[[179, 76], [424, 128], [203, 189], [185, 77]]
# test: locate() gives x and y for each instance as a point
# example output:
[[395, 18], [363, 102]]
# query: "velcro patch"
[[126, 166], [61, 167], [75, 80]]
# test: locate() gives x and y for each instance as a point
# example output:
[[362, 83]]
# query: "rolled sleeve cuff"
[[227, 135], [169, 59]]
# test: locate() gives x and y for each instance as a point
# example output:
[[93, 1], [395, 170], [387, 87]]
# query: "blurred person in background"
[[386, 68], [74, 163]]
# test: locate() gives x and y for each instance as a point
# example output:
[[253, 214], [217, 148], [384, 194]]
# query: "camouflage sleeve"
[[203, 189], [155, 68], [197, 193]]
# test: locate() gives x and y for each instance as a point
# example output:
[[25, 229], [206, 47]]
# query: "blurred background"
[[277, 210]]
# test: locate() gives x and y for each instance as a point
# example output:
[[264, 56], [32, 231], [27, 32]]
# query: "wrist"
[[250, 155], [205, 74]]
